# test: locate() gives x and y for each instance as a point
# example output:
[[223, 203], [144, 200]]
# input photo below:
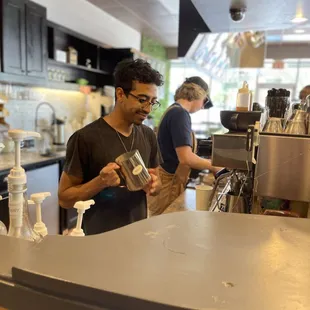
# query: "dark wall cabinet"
[[24, 38], [28, 45], [36, 38], [14, 37]]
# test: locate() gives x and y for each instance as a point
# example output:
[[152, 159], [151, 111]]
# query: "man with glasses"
[[90, 171], [178, 144]]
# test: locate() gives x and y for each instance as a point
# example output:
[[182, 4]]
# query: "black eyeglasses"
[[154, 105]]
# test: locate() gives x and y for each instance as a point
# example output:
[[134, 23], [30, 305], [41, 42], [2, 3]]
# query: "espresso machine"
[[236, 151], [283, 167], [258, 164]]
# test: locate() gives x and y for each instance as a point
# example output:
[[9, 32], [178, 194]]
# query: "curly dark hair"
[[127, 71]]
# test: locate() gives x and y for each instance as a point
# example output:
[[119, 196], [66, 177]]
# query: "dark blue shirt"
[[174, 131]]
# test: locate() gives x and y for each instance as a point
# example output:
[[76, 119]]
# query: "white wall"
[[85, 18]]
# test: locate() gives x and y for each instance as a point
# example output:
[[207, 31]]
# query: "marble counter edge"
[[32, 159], [173, 226]]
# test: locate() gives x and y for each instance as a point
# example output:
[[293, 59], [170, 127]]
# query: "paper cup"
[[203, 194]]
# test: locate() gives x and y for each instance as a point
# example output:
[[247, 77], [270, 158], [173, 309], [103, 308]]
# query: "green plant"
[[154, 49]]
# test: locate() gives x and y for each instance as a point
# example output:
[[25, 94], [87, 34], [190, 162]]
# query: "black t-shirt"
[[92, 148], [174, 131]]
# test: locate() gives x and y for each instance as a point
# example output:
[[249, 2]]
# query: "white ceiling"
[[158, 19], [260, 15]]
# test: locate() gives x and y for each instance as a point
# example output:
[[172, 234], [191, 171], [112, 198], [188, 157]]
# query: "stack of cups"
[[203, 195]]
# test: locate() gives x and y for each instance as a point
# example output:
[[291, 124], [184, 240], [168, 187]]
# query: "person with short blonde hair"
[[190, 92], [304, 92], [177, 143]]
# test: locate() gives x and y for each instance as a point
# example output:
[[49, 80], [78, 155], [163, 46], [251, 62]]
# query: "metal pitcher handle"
[[122, 178]]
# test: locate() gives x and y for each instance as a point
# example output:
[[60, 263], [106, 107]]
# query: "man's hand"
[[154, 185], [109, 176]]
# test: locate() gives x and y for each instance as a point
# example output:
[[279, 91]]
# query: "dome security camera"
[[237, 14]]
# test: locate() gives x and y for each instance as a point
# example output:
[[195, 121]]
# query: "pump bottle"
[[20, 226], [244, 99]]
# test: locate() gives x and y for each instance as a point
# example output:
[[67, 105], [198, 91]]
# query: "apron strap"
[[173, 184], [182, 172], [170, 108], [194, 141]]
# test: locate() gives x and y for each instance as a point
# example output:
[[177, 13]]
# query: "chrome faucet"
[[51, 131]]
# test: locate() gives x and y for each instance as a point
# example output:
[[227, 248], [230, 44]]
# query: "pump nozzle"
[[81, 206], [18, 135], [38, 199]]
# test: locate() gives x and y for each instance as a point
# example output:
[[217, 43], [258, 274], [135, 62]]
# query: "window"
[[288, 75], [303, 75], [294, 76]]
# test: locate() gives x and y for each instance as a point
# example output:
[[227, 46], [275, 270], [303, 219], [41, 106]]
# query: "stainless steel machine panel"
[[229, 150], [283, 168]]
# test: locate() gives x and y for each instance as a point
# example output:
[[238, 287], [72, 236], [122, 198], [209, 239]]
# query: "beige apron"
[[172, 184]]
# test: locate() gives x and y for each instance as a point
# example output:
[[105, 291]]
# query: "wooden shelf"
[[78, 67], [22, 80], [65, 85]]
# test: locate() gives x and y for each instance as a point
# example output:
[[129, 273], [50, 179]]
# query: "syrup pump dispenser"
[[17, 187], [81, 206], [37, 200]]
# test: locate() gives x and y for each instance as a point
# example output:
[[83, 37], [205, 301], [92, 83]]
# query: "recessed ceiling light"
[[299, 31], [299, 19]]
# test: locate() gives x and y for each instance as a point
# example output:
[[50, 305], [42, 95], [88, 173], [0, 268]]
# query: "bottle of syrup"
[[244, 98]]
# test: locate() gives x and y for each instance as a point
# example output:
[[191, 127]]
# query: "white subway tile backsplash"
[[67, 104]]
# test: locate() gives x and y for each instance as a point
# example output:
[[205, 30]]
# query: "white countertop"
[[194, 260], [27, 157]]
